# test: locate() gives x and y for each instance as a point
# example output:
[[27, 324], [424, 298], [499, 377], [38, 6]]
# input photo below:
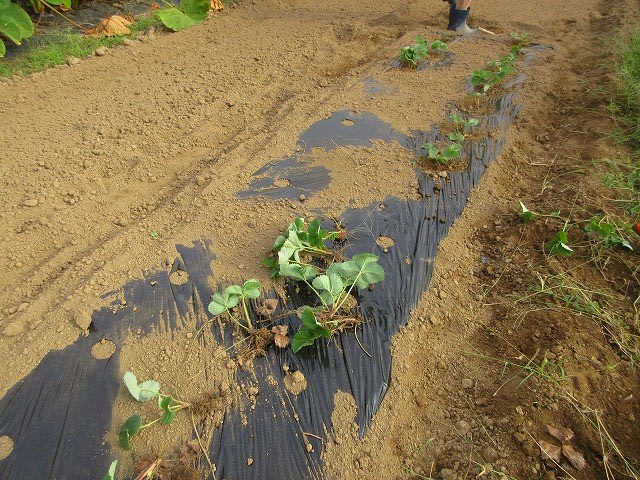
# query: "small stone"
[[121, 222], [253, 391], [128, 42], [309, 448], [189, 335], [30, 202], [249, 461], [101, 51], [490, 454], [82, 319], [463, 427], [302, 198], [71, 61], [519, 410], [467, 383], [200, 180]]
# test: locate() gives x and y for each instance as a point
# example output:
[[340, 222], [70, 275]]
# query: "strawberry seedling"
[[299, 244], [413, 54], [332, 287], [143, 392], [493, 74], [462, 126], [559, 245], [520, 40], [231, 297], [607, 232], [443, 156]]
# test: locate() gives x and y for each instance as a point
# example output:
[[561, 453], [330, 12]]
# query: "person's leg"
[[458, 13]]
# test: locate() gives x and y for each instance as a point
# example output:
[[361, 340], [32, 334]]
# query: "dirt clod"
[[295, 382]]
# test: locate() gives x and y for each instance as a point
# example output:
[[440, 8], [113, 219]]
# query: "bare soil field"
[[106, 166]]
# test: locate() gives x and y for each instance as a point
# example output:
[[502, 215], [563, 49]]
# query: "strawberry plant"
[[520, 40], [607, 232], [411, 55], [15, 24], [231, 297], [332, 287], [299, 244], [143, 392], [188, 14], [493, 74], [462, 126], [559, 244], [442, 156], [333, 290]]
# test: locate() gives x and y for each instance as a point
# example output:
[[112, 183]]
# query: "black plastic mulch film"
[[58, 415]]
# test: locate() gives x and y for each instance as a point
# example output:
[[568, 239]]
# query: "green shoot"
[[143, 392], [231, 297], [443, 157], [526, 214], [111, 474]]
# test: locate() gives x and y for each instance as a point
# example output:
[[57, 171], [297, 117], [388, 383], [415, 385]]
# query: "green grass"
[[627, 103], [47, 50]]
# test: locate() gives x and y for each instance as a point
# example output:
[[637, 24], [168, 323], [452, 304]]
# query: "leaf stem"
[[246, 312]]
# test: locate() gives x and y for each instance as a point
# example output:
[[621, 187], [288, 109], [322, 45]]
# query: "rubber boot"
[[458, 19]]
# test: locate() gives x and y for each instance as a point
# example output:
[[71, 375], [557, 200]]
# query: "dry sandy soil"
[[160, 137]]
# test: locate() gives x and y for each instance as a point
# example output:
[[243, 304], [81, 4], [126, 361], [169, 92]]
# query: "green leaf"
[[3, 49], [142, 392], [472, 122], [362, 270], [174, 19], [432, 150], [278, 243], [251, 289], [526, 214], [291, 248], [452, 151], [221, 302], [233, 290], [330, 287], [111, 475], [66, 3], [196, 9], [310, 331], [559, 245], [128, 430], [15, 24], [168, 416], [298, 272], [316, 235], [456, 137]]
